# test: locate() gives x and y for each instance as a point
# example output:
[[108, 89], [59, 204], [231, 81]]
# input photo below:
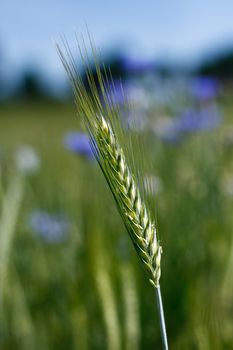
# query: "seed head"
[[100, 122]]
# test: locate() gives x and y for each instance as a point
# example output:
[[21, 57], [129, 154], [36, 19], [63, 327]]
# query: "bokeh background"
[[69, 277]]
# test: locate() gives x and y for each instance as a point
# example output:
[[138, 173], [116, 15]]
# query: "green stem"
[[8, 220], [161, 317]]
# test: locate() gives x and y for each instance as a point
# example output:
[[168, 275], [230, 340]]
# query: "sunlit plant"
[[101, 120]]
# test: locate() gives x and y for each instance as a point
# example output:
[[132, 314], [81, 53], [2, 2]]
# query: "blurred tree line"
[[220, 66], [29, 85]]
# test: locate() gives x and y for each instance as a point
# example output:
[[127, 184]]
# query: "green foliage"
[[54, 293]]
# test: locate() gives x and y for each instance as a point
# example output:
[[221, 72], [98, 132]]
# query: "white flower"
[[163, 126], [27, 160]]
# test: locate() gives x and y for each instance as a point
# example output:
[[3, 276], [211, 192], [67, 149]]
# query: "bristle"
[[100, 118]]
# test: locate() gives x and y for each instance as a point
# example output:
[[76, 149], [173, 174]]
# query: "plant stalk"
[[161, 318]]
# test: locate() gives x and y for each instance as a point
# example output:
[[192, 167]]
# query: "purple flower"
[[204, 89], [116, 94], [78, 143], [137, 66], [174, 130], [120, 94], [199, 120], [51, 228]]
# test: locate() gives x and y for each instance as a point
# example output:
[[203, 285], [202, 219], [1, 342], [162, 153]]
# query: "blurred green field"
[[89, 290]]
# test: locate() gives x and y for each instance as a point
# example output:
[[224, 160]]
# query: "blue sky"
[[180, 29]]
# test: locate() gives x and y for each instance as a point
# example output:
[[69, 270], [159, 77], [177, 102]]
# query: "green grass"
[[52, 298]]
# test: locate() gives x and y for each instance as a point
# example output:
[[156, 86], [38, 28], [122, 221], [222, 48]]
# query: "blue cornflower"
[[116, 94], [174, 130], [199, 120], [205, 88], [51, 228], [78, 143], [137, 66]]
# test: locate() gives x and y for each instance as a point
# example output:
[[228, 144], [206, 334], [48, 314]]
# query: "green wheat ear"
[[135, 215], [95, 110]]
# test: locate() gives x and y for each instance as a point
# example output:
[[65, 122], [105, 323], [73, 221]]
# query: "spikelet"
[[98, 118], [132, 209]]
